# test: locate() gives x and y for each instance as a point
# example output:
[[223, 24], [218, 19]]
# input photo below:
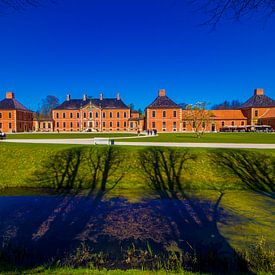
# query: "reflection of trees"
[[192, 226], [255, 170], [173, 222]]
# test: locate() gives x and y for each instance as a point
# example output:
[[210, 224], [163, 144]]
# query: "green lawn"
[[210, 137], [19, 162], [72, 135], [168, 137]]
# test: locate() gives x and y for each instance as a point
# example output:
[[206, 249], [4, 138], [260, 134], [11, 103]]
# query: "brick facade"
[[14, 117], [112, 115]]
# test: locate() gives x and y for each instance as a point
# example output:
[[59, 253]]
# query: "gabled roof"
[[105, 103], [258, 101], [12, 104], [227, 114], [163, 102]]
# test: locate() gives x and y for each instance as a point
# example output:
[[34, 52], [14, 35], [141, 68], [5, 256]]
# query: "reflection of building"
[[14, 117], [112, 115]]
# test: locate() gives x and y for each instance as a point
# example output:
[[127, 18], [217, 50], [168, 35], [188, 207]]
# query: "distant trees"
[[46, 106], [227, 105], [198, 117], [219, 10]]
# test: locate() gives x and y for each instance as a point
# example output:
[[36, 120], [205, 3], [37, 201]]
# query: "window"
[[49, 125], [71, 124], [57, 124], [0, 125], [96, 114], [103, 124], [256, 113], [9, 115], [96, 124], [90, 114], [242, 123], [153, 113], [203, 124], [0, 115], [77, 124], [232, 123], [64, 124], [153, 124], [44, 125], [64, 115], [164, 114], [85, 124], [84, 114], [117, 115], [184, 124], [9, 125], [131, 125], [71, 115], [175, 125], [111, 124], [103, 114], [222, 123], [174, 113], [77, 115], [164, 124], [57, 115], [111, 114], [117, 124], [125, 124], [125, 114]]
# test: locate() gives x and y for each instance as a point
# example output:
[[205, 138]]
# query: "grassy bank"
[[20, 162]]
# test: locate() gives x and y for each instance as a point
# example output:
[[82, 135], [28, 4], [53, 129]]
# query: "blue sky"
[[135, 47]]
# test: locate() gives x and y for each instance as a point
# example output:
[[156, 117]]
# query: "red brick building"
[[14, 117], [163, 114], [92, 114]]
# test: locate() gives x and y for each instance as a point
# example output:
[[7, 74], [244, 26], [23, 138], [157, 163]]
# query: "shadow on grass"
[[255, 170], [173, 231]]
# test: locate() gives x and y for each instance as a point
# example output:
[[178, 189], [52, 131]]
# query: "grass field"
[[21, 161], [168, 137], [210, 137], [66, 135]]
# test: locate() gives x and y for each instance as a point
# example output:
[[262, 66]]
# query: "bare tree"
[[218, 10], [46, 106], [197, 117]]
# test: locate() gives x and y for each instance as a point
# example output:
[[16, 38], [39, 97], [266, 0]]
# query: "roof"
[[258, 101], [269, 114], [105, 103], [228, 114], [163, 102], [12, 104]]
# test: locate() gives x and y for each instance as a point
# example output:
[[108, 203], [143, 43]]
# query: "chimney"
[[101, 96], [118, 96], [9, 95], [84, 97], [162, 92], [68, 98], [259, 91]]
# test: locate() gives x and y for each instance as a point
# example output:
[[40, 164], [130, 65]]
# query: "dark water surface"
[[44, 226]]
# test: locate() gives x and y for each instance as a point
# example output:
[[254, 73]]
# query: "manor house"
[[113, 115]]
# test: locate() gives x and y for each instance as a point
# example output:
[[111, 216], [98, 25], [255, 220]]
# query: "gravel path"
[[165, 144]]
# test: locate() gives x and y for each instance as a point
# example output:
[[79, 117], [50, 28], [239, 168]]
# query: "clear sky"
[[135, 47]]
